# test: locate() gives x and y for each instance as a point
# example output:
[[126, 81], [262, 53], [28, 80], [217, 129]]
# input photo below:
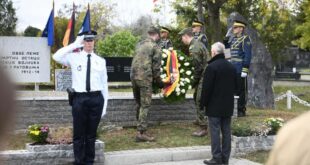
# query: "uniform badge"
[[79, 68]]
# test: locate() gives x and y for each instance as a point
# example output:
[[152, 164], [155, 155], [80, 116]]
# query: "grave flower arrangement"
[[38, 133]]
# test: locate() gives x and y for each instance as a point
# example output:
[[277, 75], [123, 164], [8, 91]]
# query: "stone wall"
[[47, 154], [243, 145], [120, 112]]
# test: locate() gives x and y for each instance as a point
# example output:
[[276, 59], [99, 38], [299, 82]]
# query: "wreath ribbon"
[[172, 70]]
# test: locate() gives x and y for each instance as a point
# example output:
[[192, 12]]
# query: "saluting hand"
[[79, 41]]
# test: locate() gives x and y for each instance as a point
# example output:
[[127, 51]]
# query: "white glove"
[[79, 41], [243, 74]]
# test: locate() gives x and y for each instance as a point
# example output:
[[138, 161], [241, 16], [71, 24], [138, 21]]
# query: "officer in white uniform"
[[89, 80]]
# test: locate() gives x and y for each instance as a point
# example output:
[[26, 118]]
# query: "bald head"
[[217, 48]]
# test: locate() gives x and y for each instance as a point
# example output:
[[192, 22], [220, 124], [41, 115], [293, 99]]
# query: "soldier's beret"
[[165, 29], [188, 31], [197, 23], [153, 29], [88, 35], [239, 24]]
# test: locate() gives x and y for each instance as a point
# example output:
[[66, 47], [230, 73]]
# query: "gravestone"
[[63, 79], [260, 92]]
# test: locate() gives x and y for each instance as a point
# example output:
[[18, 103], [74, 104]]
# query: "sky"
[[35, 12]]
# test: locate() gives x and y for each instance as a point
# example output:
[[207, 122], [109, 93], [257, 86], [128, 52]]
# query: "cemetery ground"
[[179, 134]]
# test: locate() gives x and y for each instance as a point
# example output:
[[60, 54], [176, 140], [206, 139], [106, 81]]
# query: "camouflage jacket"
[[146, 62], [200, 58]]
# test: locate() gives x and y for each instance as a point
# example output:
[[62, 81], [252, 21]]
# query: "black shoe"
[[241, 113], [213, 161], [225, 162]]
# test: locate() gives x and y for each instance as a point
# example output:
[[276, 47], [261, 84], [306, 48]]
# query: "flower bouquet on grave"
[[38, 133]]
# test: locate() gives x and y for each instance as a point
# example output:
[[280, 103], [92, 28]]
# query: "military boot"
[[203, 131], [241, 114], [143, 137], [196, 122]]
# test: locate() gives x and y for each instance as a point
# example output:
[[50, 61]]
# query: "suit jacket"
[[219, 86]]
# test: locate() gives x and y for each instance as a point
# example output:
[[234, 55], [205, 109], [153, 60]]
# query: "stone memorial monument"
[[63, 79]]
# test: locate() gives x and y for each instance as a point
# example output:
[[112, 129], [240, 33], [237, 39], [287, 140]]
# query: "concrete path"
[[232, 161], [193, 155]]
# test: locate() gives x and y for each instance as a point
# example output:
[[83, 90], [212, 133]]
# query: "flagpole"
[[54, 64]]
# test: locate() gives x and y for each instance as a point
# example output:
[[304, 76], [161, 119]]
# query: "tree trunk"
[[214, 19], [200, 15]]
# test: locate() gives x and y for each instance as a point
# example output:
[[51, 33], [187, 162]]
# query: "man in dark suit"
[[219, 86]]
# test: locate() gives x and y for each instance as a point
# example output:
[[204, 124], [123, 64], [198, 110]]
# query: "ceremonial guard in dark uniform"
[[198, 35], [241, 53], [89, 81], [165, 42]]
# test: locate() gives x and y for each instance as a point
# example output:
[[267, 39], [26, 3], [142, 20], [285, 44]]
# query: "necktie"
[[88, 74]]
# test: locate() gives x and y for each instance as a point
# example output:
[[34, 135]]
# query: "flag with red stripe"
[[69, 35]]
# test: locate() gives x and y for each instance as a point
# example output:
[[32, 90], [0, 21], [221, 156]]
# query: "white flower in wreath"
[[186, 64], [181, 83], [164, 55], [163, 76], [181, 58], [178, 93], [192, 77], [187, 80], [182, 70], [193, 68], [188, 72], [177, 90], [161, 69], [162, 62], [179, 65], [189, 87], [183, 91]]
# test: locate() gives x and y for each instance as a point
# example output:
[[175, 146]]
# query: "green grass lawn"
[[168, 135]]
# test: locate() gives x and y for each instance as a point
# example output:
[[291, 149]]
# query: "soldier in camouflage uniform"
[[165, 42], [200, 57], [198, 35], [145, 69]]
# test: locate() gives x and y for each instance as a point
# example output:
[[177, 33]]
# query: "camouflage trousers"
[[142, 92], [200, 113]]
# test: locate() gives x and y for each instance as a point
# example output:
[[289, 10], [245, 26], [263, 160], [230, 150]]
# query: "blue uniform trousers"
[[86, 112]]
